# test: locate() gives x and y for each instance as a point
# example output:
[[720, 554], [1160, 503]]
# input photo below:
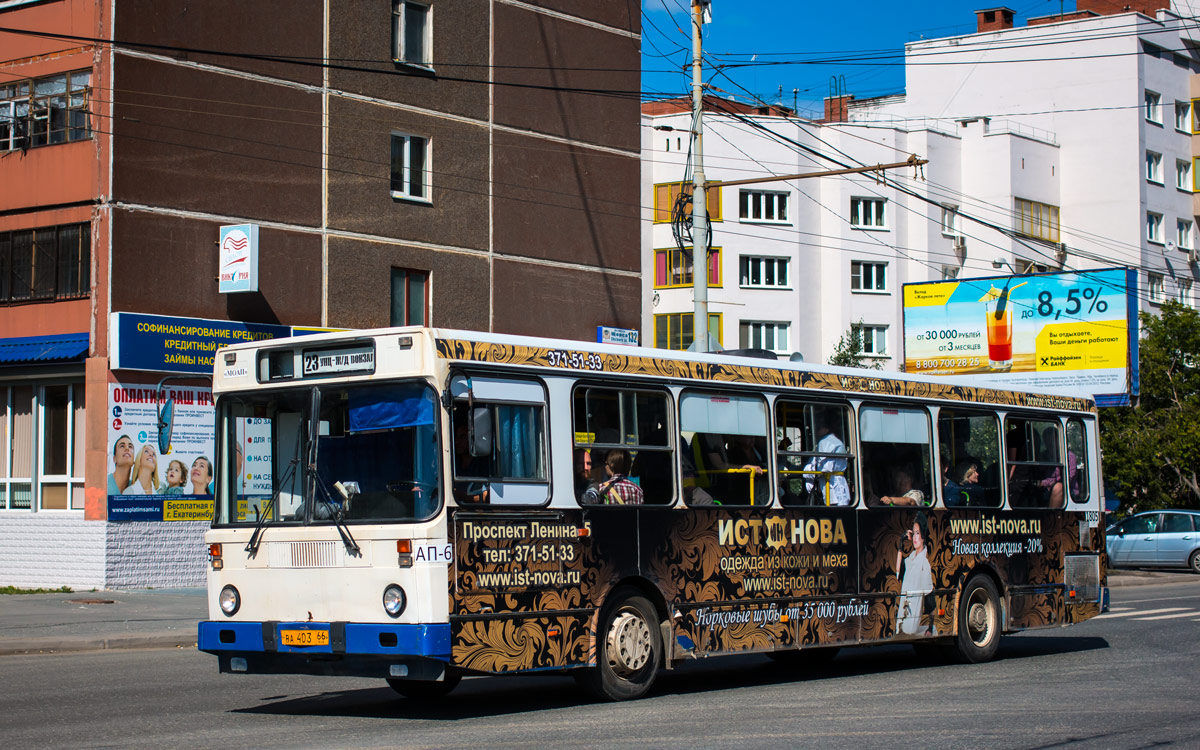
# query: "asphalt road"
[[1126, 680]]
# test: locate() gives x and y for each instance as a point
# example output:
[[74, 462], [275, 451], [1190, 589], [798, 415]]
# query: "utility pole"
[[699, 191]]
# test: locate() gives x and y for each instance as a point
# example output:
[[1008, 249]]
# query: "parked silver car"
[[1158, 538]]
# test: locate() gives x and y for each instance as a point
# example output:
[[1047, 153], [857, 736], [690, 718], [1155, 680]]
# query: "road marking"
[[1137, 612], [1163, 599], [1168, 617]]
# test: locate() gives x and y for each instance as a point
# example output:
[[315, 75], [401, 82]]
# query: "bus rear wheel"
[[978, 621], [426, 689], [628, 649]]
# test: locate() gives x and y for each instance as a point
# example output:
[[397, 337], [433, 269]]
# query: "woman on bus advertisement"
[[916, 578]]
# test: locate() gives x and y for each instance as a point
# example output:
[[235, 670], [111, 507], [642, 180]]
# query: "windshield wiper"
[[265, 516], [335, 512]]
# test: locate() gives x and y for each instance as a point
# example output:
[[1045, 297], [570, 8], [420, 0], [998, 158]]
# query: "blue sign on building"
[[162, 343]]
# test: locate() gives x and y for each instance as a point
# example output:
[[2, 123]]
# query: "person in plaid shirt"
[[617, 489]]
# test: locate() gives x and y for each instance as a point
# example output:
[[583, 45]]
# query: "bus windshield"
[[328, 453]]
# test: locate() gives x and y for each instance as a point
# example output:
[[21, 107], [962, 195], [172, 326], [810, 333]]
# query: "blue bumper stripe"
[[431, 641]]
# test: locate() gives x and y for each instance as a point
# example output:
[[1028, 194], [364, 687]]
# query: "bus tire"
[[978, 621], [628, 649], [424, 690], [804, 658]]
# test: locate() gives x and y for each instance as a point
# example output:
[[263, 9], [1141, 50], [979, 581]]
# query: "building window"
[[411, 37], [1154, 230], [42, 439], [673, 268], [759, 335], [950, 272], [45, 264], [763, 273], [763, 205], [1155, 286], [1183, 175], [1183, 116], [1154, 167], [45, 111], [410, 167], [868, 277], [1184, 292], [1153, 107], [667, 193], [950, 221], [868, 213], [674, 330], [1183, 234], [410, 297], [873, 338], [1037, 220]]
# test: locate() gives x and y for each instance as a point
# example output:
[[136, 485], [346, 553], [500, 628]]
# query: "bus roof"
[[563, 354]]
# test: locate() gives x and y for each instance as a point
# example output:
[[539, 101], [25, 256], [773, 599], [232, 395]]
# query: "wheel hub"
[[628, 643], [979, 621]]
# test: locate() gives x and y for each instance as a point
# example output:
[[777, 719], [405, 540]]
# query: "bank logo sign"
[[238, 270]]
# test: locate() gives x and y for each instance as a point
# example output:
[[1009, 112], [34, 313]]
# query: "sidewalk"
[[149, 618], [97, 620]]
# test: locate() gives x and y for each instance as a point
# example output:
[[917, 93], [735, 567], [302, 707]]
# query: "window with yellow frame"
[[675, 330], [666, 193], [1037, 220], [673, 268]]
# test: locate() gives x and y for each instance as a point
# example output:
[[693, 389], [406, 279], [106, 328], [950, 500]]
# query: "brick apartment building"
[[457, 163]]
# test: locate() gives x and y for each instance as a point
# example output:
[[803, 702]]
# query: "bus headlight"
[[394, 600], [230, 601]]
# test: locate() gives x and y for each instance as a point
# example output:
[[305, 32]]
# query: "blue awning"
[[65, 347]]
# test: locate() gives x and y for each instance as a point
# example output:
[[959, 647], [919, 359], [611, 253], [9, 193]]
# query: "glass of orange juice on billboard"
[[998, 313], [999, 334]]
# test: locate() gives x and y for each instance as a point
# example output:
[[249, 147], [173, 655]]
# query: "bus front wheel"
[[628, 649], [978, 621]]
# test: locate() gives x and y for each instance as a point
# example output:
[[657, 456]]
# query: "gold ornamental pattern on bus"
[[629, 364]]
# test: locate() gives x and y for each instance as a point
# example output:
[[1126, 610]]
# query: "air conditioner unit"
[[960, 243], [1193, 256]]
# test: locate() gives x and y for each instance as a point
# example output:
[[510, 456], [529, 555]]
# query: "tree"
[[849, 351], [1152, 449]]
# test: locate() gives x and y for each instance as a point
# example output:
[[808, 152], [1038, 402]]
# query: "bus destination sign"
[[339, 361]]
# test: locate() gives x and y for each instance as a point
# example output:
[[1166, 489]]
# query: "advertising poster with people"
[[145, 484], [1067, 331]]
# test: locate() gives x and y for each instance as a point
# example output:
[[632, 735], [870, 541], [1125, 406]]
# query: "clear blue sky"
[[804, 30]]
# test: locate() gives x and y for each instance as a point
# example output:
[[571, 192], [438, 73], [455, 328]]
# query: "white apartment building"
[[1074, 134]]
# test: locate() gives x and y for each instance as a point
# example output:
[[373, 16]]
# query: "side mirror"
[[480, 433], [166, 424]]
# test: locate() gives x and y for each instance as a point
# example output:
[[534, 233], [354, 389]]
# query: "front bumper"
[[352, 649]]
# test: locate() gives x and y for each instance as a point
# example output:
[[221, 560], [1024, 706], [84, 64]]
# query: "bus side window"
[[969, 449], [726, 439], [1077, 462], [622, 447], [814, 466], [896, 460], [515, 471], [1032, 462]]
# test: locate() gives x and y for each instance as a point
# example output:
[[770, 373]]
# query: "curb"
[[65, 644]]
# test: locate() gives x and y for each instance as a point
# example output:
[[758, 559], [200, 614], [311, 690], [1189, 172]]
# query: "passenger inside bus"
[[1034, 470], [904, 493], [962, 484], [616, 489]]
